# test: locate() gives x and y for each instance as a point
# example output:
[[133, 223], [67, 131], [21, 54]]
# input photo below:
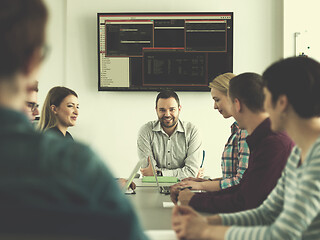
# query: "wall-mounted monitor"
[[149, 51]]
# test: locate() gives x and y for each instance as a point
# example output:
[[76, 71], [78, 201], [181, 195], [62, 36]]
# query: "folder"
[[161, 179]]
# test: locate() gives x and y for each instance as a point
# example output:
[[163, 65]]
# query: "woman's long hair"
[[54, 97]]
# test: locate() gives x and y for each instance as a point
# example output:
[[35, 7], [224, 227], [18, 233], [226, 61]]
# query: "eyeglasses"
[[32, 105]]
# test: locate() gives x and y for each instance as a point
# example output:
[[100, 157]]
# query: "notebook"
[[161, 179]]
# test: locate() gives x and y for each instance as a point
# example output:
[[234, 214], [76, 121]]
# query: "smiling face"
[[221, 103], [68, 111], [168, 112]]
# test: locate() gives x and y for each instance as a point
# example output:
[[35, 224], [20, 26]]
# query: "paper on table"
[[168, 204], [161, 234], [161, 179]]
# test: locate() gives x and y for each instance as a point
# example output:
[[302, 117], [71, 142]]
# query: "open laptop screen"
[[132, 175]]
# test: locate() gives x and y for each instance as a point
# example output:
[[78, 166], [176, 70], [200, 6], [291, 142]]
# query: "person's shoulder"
[[238, 132], [315, 152], [283, 138], [147, 127], [191, 131], [57, 149], [52, 148], [311, 164], [59, 143], [242, 133], [278, 140], [68, 135], [53, 130], [188, 125], [316, 145]]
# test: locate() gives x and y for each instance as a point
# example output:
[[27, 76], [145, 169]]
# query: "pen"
[[203, 155]]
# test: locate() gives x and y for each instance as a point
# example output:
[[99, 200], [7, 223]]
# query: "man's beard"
[[166, 125]]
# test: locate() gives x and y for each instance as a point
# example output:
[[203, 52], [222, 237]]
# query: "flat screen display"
[[150, 51]]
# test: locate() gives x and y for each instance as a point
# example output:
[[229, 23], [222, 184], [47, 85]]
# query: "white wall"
[[109, 121], [302, 17], [53, 69]]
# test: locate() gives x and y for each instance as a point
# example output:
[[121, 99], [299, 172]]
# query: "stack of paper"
[[161, 235]]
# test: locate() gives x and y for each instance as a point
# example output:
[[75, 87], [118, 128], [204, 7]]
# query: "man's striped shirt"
[[292, 210]]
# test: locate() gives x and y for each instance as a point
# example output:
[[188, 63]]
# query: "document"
[[168, 204], [161, 234]]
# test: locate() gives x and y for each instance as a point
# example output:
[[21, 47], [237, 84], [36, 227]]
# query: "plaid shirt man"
[[234, 157]]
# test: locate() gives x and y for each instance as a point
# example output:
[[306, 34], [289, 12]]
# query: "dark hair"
[[167, 94], [299, 79], [34, 87], [248, 88], [22, 31]]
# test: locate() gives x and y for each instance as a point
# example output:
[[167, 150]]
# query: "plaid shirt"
[[234, 157]]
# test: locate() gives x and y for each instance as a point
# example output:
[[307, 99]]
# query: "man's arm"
[[210, 186], [144, 146], [226, 200], [258, 181]]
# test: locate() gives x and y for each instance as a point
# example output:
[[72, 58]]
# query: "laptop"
[[126, 189], [162, 189]]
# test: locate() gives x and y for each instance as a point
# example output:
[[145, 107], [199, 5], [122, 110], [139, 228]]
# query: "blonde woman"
[[60, 111], [235, 155]]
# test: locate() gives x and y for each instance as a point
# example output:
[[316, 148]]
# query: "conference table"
[[149, 205], [148, 202]]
